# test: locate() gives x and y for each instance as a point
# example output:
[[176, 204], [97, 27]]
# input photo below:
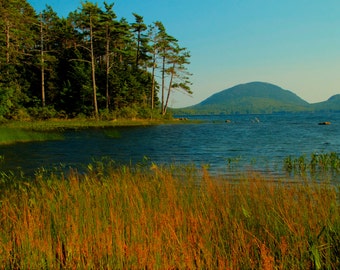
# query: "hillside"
[[257, 98], [333, 103]]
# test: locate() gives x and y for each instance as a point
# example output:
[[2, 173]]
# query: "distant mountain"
[[257, 98], [333, 103]]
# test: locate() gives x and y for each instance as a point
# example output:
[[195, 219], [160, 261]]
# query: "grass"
[[53, 124], [166, 218], [13, 135], [24, 131], [319, 164]]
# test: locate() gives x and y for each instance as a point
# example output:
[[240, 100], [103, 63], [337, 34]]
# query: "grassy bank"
[[166, 218], [23, 131], [13, 135], [53, 124]]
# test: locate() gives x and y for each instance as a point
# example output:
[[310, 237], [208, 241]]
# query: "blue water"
[[256, 142]]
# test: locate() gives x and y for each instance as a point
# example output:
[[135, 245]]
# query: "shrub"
[[42, 113], [105, 115], [21, 115], [130, 112]]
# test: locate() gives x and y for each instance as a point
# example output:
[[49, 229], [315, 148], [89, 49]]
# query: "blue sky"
[[294, 44]]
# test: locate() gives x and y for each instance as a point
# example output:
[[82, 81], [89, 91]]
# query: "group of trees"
[[89, 63]]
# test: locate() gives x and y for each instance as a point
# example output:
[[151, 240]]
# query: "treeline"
[[89, 63]]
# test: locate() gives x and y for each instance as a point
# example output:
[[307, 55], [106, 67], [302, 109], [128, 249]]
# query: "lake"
[[255, 142]]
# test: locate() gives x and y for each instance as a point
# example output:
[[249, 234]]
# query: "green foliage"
[[42, 113], [11, 100], [21, 114], [128, 112], [148, 113], [82, 64], [5, 101]]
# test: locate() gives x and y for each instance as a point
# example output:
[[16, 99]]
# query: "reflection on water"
[[258, 142]]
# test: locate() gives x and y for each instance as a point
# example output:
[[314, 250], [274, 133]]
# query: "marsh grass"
[[13, 135], [166, 218], [24, 131], [76, 123], [318, 165]]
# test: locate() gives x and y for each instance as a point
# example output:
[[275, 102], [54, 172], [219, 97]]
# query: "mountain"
[[257, 98], [333, 103]]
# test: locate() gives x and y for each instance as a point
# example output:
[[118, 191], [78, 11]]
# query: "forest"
[[89, 64]]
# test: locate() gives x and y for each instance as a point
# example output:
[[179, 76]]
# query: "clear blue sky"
[[294, 44]]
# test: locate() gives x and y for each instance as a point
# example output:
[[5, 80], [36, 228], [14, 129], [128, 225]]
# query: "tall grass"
[[319, 165], [166, 218]]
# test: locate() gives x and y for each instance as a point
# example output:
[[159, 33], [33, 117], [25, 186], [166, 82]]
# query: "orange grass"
[[129, 218]]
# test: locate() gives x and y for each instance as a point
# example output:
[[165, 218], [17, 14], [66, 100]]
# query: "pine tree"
[[179, 75], [138, 27], [165, 45], [18, 33], [87, 21], [109, 25], [85, 61], [48, 46]]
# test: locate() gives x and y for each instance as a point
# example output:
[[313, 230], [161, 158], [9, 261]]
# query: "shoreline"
[[28, 131]]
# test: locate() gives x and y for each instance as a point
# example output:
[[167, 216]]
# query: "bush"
[[6, 104], [62, 114], [168, 116], [148, 113], [21, 115], [42, 113], [128, 112], [107, 115]]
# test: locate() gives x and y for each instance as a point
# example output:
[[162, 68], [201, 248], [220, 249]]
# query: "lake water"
[[256, 142]]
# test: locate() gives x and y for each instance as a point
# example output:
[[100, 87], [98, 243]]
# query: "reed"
[[318, 164], [166, 218]]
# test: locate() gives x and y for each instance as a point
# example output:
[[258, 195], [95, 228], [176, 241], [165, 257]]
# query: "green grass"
[[24, 131], [13, 135], [53, 124], [166, 218], [317, 164]]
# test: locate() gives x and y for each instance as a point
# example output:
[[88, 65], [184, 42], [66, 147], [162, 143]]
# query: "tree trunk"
[[42, 64], [169, 90], [107, 67], [153, 84], [163, 78], [138, 48], [7, 31], [93, 67]]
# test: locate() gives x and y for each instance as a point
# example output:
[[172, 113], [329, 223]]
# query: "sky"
[[294, 44]]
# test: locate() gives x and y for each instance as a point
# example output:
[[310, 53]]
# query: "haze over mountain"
[[258, 98]]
